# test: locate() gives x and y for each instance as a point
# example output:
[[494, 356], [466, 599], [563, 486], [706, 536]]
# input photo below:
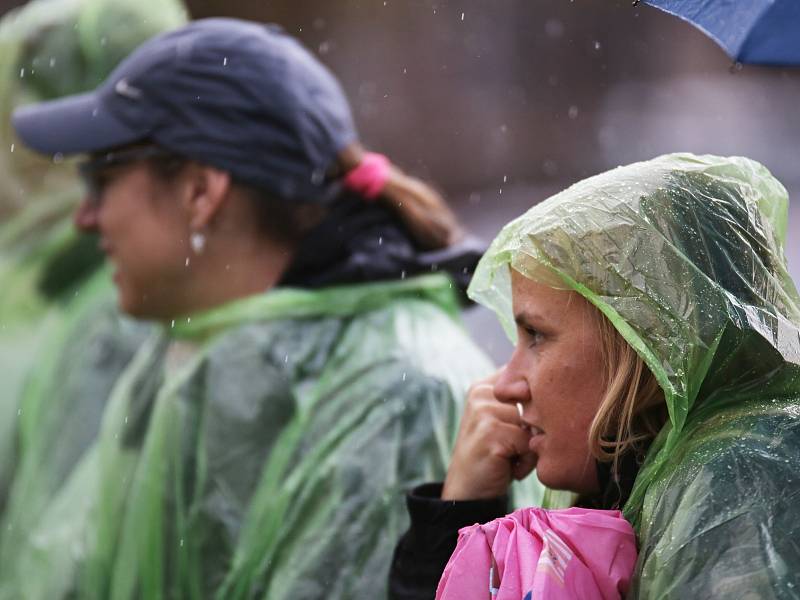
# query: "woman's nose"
[[511, 386], [86, 215]]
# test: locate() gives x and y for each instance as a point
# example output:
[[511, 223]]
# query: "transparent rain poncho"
[[259, 450], [684, 255], [50, 298]]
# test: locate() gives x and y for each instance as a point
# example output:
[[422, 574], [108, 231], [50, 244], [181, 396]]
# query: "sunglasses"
[[95, 171]]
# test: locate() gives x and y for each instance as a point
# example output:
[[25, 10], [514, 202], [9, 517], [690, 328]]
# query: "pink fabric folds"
[[369, 177], [537, 554]]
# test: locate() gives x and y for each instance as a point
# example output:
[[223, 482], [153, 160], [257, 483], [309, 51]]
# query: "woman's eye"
[[533, 336]]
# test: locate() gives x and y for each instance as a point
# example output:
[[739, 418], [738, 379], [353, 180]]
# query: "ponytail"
[[421, 209]]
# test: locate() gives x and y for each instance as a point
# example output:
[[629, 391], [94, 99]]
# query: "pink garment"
[[538, 554], [369, 177]]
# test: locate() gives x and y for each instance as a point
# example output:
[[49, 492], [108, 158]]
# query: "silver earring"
[[198, 242]]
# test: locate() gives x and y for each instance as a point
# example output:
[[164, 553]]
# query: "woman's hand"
[[491, 448]]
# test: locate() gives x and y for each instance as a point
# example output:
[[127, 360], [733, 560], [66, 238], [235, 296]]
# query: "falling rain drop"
[[597, 45], [462, 16], [52, 62], [173, 323], [572, 113], [22, 72], [12, 147], [225, 62]]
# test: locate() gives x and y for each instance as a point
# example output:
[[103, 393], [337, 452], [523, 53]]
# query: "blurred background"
[[500, 104]]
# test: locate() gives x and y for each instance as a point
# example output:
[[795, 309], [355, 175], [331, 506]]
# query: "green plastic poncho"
[[684, 254], [260, 450], [55, 304]]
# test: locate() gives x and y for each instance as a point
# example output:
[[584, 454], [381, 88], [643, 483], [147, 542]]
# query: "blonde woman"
[[656, 370]]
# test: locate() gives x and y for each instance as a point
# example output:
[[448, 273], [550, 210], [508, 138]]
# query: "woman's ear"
[[206, 191]]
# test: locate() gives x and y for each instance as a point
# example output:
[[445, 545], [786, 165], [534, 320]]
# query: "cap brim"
[[73, 125]]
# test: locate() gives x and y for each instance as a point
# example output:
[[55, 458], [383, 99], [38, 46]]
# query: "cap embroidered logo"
[[123, 88]]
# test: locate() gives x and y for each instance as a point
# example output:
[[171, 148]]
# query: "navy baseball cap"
[[240, 96]]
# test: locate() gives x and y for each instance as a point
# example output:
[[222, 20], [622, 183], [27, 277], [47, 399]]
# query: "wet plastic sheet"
[[684, 254]]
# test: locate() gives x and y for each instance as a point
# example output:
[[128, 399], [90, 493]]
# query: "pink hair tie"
[[369, 177]]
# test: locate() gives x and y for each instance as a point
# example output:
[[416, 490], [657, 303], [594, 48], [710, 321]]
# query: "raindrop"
[[505, 178], [181, 542], [12, 147], [402, 274], [597, 45], [19, 412], [225, 62], [187, 262], [22, 72], [126, 419], [188, 319], [462, 16], [52, 62], [404, 376], [405, 70], [58, 158], [173, 323], [572, 113], [380, 240]]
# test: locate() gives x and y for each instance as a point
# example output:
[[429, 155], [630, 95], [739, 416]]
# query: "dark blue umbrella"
[[765, 32]]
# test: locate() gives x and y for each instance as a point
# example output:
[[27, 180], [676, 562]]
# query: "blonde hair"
[[421, 208], [632, 410]]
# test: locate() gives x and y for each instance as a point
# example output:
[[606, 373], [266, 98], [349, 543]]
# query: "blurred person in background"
[[309, 362], [54, 291], [656, 370]]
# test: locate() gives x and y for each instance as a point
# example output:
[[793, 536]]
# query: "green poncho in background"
[[684, 254], [260, 450], [52, 297]]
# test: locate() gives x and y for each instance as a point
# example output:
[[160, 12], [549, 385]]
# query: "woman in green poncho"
[[257, 447], [656, 369]]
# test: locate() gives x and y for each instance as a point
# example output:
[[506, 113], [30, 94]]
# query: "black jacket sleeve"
[[422, 553]]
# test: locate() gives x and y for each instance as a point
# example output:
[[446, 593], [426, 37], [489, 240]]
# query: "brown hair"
[[632, 410], [421, 208]]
